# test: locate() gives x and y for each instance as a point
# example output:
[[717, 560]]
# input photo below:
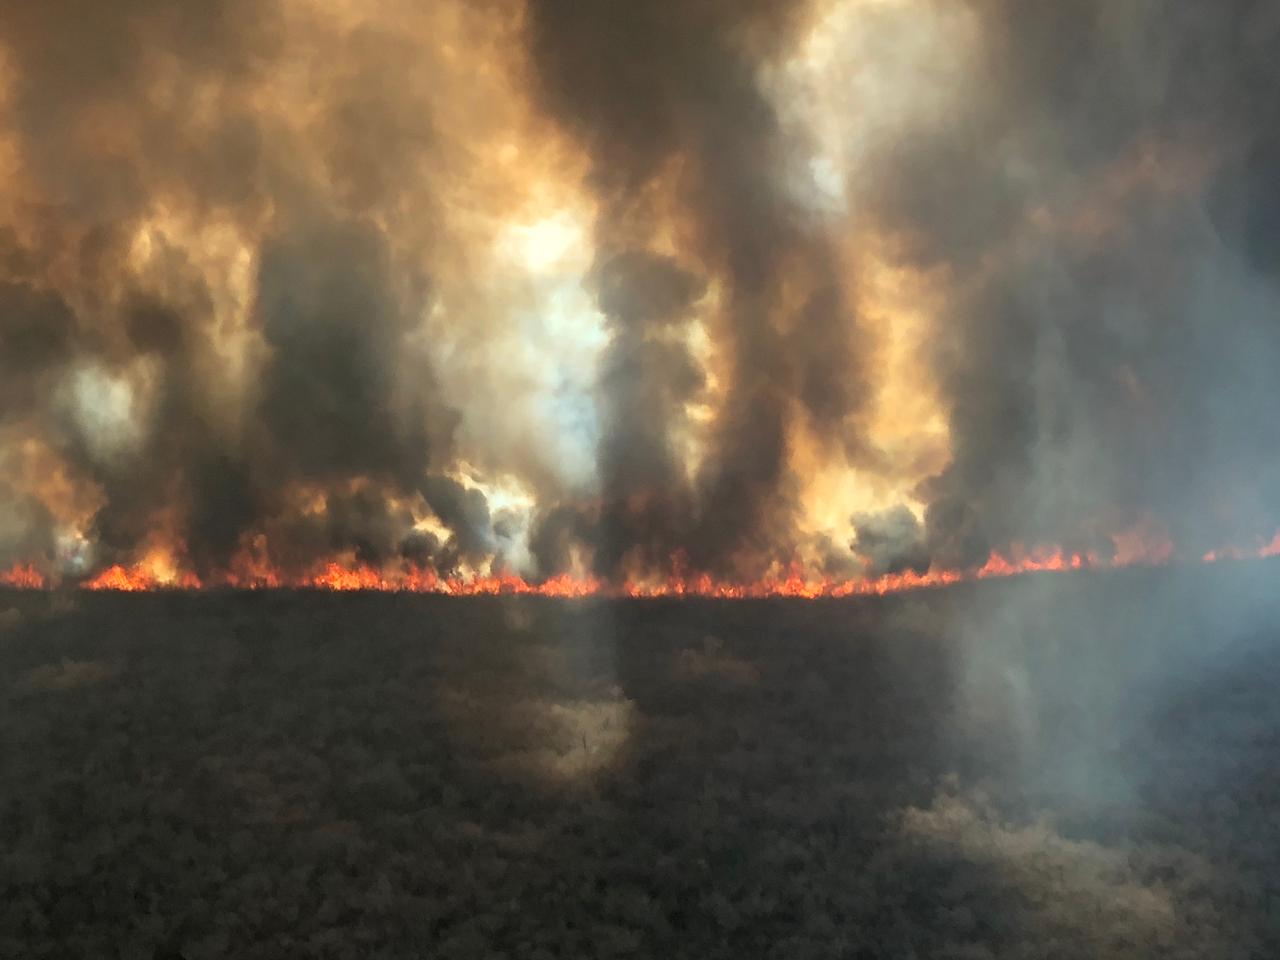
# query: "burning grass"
[[159, 571]]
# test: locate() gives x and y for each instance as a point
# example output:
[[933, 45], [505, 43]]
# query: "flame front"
[[815, 298], [23, 577], [345, 575], [136, 579]]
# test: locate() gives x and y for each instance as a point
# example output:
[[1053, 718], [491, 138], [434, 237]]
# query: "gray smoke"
[[1105, 203]]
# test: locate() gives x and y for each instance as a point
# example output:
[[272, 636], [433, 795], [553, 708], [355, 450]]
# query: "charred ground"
[[1054, 766]]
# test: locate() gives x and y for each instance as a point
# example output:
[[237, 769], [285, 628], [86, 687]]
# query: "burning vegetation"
[[348, 574], [801, 297], [311, 306]]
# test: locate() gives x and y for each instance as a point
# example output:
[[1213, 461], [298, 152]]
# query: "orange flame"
[[1271, 548], [23, 577], [252, 569], [139, 578], [118, 578]]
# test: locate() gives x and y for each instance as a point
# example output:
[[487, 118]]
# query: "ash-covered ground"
[[1055, 766]]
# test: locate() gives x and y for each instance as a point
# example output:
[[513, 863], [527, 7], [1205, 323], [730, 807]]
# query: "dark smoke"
[[341, 401], [465, 512], [1107, 205], [644, 85], [335, 400], [891, 542], [1098, 206], [646, 379], [36, 336]]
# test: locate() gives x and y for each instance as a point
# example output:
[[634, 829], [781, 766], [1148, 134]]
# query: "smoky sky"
[[247, 265]]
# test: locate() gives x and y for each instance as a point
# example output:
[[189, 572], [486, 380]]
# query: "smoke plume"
[[626, 290]]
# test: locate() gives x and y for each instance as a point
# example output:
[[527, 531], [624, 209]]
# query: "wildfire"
[[795, 583], [252, 570], [1056, 560], [1143, 546], [140, 578], [118, 578], [1271, 548], [23, 577]]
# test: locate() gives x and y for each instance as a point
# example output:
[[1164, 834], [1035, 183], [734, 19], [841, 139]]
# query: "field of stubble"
[[1059, 766]]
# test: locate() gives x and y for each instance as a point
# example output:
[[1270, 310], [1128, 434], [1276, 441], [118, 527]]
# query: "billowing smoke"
[[891, 542], [1107, 348], [539, 286], [647, 378], [667, 99]]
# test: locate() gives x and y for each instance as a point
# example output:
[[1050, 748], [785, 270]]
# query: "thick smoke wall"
[[541, 287]]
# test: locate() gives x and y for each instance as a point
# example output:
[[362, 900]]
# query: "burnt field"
[[1053, 766]]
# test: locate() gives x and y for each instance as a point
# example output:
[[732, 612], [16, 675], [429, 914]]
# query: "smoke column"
[[621, 291]]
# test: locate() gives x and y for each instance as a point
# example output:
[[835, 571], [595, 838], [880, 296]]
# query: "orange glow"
[[23, 577], [1142, 546], [138, 578], [1272, 547], [157, 571], [1054, 559], [253, 570], [118, 578], [251, 567]]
